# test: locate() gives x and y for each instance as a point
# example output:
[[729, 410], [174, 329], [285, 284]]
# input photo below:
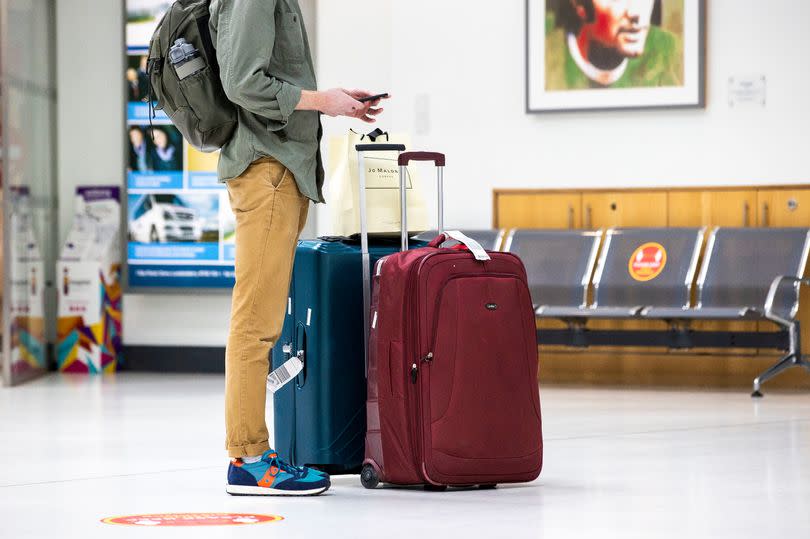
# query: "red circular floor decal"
[[192, 519]]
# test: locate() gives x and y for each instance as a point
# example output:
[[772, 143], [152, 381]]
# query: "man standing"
[[272, 168], [610, 44]]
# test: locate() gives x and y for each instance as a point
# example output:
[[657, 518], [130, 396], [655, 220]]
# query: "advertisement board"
[[89, 290], [26, 294], [180, 228]]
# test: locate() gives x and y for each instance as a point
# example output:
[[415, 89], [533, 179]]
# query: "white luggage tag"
[[284, 374], [474, 247]]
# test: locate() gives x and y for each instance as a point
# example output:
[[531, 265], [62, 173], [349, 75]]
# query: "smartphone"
[[372, 98]]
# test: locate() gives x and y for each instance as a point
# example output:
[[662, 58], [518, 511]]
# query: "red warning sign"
[[192, 519], [647, 262]]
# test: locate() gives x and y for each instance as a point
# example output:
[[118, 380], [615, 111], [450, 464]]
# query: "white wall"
[[89, 36], [470, 60], [469, 57]]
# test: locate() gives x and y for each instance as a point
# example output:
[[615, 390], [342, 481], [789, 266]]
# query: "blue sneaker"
[[272, 476]]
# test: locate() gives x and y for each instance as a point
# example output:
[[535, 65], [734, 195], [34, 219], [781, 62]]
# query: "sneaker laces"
[[295, 471]]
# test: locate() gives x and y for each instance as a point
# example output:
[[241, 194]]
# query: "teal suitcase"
[[320, 417]]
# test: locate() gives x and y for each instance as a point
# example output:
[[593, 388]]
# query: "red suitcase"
[[452, 365]]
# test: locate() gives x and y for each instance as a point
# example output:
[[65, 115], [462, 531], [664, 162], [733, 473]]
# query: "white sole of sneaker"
[[239, 490]]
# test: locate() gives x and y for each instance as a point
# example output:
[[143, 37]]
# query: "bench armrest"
[[774, 289]]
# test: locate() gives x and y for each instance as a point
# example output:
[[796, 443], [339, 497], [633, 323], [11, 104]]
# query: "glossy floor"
[[619, 463]]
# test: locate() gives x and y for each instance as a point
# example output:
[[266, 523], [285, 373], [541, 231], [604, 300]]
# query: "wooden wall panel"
[[552, 210], [624, 209]]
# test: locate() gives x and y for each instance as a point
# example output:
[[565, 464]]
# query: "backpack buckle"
[[154, 65]]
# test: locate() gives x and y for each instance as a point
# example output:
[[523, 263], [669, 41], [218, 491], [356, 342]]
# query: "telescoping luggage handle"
[[404, 159]]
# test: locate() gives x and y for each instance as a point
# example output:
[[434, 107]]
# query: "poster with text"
[[180, 228]]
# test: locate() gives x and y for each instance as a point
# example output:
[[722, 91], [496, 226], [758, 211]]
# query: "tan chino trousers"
[[270, 214]]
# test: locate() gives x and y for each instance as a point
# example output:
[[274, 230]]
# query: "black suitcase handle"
[[436, 157], [380, 147]]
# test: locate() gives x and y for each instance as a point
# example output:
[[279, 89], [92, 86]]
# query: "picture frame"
[[601, 55]]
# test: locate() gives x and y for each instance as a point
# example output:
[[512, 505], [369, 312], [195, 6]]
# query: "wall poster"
[[180, 228]]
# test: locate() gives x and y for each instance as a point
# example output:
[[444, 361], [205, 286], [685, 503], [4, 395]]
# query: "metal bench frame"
[[786, 338]]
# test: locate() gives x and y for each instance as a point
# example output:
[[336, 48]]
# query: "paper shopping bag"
[[382, 187]]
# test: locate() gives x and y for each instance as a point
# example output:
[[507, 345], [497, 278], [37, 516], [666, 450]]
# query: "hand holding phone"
[[373, 98]]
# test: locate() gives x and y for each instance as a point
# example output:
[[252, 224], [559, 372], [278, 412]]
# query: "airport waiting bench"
[[747, 274]]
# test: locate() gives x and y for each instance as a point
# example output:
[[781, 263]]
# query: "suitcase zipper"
[[416, 418], [412, 307], [415, 368]]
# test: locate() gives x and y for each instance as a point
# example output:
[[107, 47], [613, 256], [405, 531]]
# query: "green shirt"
[[660, 65], [265, 62]]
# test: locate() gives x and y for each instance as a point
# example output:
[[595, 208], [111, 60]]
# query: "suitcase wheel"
[[435, 488], [369, 477], [490, 486]]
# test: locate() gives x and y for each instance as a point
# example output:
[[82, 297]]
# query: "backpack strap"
[[155, 61], [154, 66], [205, 36]]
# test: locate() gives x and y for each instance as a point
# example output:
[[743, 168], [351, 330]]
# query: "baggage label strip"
[[284, 374], [474, 247]]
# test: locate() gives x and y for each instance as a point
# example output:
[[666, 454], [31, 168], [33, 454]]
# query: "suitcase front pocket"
[[480, 406]]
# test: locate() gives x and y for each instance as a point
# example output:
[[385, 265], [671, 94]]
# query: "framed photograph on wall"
[[614, 54]]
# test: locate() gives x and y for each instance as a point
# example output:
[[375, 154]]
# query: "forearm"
[[339, 102], [310, 100]]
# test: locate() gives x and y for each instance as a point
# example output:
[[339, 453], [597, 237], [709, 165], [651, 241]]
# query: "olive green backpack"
[[184, 77]]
